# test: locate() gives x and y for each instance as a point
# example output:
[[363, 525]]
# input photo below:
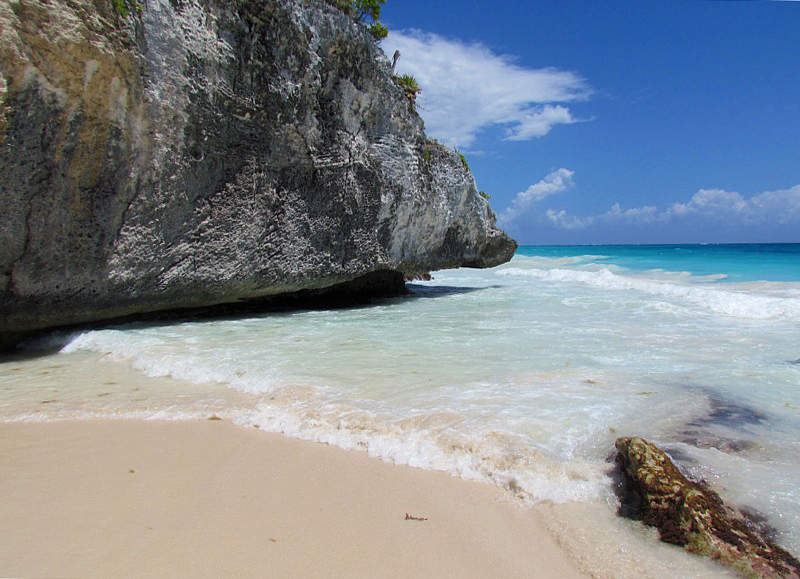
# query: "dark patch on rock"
[[688, 514]]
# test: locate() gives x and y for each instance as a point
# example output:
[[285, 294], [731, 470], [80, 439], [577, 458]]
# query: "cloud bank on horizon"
[[714, 206], [467, 88]]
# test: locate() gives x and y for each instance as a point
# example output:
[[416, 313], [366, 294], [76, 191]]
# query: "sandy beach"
[[92, 489], [211, 499]]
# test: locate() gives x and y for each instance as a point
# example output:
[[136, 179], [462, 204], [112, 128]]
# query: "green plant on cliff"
[[368, 9], [120, 7], [362, 11], [409, 85], [123, 7], [463, 159], [485, 195], [378, 31]]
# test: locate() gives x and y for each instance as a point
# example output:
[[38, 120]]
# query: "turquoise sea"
[[522, 375], [735, 261]]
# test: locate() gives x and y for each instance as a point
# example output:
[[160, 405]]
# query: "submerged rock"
[[688, 514], [193, 153], [700, 439]]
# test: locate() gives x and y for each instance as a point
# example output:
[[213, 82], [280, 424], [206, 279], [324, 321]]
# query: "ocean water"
[[522, 375]]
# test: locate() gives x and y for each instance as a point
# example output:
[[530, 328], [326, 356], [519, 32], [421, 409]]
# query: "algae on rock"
[[690, 515]]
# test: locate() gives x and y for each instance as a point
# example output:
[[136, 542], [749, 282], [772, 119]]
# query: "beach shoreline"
[[107, 472], [207, 498]]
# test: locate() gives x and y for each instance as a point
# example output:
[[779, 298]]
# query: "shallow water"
[[522, 375]]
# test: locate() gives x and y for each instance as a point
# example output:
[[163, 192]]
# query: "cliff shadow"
[[374, 290], [418, 291]]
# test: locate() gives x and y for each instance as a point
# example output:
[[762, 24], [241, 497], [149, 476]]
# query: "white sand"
[[210, 499]]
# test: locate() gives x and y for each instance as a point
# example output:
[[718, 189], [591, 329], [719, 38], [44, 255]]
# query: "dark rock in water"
[[195, 153], [676, 453], [760, 521], [723, 425], [728, 445], [795, 362], [729, 413], [688, 514]]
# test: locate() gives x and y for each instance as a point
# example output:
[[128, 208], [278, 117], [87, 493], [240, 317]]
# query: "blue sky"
[[622, 121]]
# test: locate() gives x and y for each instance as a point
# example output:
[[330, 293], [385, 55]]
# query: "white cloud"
[[706, 207], [781, 206], [538, 122], [730, 208], [467, 88], [555, 182], [712, 201], [561, 220]]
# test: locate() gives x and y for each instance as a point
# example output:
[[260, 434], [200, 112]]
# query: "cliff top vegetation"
[[364, 12]]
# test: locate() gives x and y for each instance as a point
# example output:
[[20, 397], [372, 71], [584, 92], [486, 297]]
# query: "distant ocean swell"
[[721, 301]]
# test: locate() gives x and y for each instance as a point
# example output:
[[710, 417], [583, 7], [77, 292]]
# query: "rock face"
[[690, 515], [185, 153]]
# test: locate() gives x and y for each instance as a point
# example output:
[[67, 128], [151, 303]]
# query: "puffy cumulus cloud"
[[561, 220], [555, 182], [711, 201], [467, 88], [538, 122], [781, 207], [632, 216], [717, 208]]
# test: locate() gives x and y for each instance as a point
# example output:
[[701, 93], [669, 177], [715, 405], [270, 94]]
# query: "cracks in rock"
[[353, 144], [124, 214], [12, 281]]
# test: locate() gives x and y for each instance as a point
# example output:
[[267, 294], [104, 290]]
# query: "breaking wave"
[[739, 304]]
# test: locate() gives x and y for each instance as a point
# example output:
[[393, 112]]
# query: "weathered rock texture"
[[197, 152], [690, 515]]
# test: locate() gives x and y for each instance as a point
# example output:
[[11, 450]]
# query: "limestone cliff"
[[167, 154]]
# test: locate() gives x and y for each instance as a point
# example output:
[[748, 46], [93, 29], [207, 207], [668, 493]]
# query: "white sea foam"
[[432, 439], [550, 262], [175, 413], [495, 457], [720, 301], [156, 353]]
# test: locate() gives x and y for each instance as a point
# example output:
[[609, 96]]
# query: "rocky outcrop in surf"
[[688, 514], [163, 154]]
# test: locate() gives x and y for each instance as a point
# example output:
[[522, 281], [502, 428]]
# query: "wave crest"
[[721, 301]]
